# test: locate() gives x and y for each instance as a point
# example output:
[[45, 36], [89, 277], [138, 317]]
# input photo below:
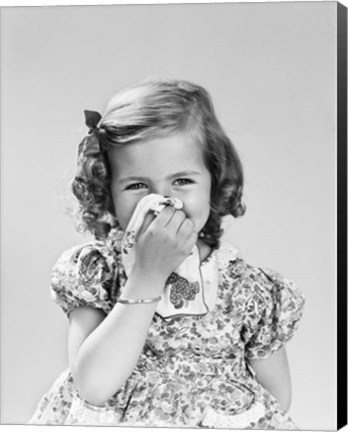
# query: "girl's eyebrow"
[[183, 174], [132, 178], [171, 176]]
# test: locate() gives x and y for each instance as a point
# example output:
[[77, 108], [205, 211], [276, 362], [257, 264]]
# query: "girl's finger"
[[176, 221], [148, 219], [165, 216], [186, 227], [157, 221], [191, 240]]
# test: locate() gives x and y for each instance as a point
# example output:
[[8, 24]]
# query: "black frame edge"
[[341, 215]]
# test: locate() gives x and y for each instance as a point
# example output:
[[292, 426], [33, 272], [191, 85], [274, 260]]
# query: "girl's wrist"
[[143, 285], [149, 275]]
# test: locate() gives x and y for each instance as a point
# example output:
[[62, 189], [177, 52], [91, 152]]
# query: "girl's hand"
[[163, 243]]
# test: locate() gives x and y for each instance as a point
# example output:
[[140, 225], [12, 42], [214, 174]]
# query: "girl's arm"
[[103, 351], [273, 373]]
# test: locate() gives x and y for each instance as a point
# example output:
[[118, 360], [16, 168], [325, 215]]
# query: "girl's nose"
[[161, 190]]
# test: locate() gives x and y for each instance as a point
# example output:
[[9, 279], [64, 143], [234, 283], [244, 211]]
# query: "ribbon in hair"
[[90, 145], [92, 119], [183, 292]]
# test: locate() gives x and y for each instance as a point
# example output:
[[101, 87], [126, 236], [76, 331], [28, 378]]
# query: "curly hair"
[[147, 110]]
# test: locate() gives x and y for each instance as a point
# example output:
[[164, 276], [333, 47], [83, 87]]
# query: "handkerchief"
[[184, 291]]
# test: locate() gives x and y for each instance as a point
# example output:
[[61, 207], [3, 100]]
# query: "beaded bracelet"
[[139, 301]]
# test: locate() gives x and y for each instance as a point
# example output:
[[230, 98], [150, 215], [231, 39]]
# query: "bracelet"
[[139, 301]]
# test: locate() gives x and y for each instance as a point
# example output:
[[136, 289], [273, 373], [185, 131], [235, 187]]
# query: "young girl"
[[168, 327]]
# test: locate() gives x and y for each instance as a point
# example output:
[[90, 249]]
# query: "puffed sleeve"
[[272, 314], [81, 278]]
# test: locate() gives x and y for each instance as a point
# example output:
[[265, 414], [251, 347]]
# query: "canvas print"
[[169, 189]]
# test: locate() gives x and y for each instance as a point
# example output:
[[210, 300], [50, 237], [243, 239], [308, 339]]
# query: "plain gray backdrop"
[[271, 70]]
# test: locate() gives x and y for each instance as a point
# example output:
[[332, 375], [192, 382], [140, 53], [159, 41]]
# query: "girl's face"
[[172, 166]]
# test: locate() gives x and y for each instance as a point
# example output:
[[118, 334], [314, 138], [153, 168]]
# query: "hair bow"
[[90, 145], [92, 119]]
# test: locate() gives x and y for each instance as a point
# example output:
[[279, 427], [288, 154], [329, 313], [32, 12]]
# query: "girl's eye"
[[136, 186], [183, 181]]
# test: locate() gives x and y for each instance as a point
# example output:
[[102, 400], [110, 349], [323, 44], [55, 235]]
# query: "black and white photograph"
[[173, 192]]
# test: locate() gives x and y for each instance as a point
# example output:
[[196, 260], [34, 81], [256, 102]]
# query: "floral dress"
[[194, 371]]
